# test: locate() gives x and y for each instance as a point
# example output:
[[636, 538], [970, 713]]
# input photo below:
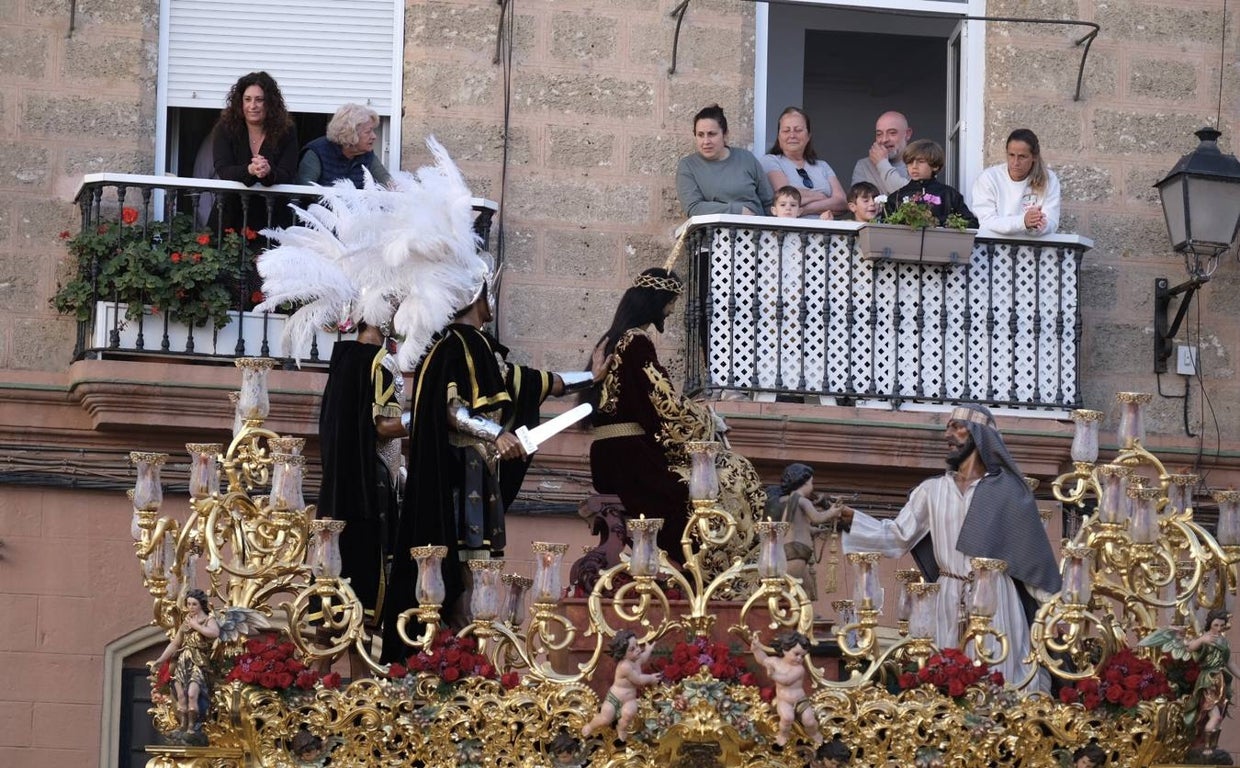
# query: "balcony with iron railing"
[[792, 309], [213, 208]]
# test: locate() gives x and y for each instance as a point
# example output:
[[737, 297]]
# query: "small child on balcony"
[[863, 201], [925, 159], [787, 203]]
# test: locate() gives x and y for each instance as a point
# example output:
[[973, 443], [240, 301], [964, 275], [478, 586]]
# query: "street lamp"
[[1201, 202]]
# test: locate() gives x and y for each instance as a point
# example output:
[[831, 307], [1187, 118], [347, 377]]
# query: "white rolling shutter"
[[323, 53]]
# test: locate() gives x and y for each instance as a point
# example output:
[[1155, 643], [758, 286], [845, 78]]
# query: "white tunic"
[[938, 507]]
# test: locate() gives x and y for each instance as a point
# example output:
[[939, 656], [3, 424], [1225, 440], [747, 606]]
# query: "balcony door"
[[847, 62]]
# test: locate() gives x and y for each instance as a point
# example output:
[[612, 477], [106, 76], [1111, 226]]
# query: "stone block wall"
[[1152, 78], [70, 103], [596, 128]]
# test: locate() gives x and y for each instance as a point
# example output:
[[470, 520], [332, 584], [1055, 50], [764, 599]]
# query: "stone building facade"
[[595, 125]]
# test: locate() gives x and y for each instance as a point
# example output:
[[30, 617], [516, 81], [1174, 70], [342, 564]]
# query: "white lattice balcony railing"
[[790, 307]]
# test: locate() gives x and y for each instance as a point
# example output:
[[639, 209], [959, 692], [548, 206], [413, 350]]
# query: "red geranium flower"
[[197, 257], [129, 215], [204, 239], [175, 257], [64, 234], [230, 231], [250, 234], [257, 297]]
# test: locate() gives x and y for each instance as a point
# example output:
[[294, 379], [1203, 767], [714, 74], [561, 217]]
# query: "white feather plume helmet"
[[407, 256]]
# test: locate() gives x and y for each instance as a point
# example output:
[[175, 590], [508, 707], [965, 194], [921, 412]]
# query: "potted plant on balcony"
[[161, 268], [911, 233]]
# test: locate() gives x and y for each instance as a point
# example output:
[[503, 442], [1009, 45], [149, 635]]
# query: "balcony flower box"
[[919, 245], [254, 328]]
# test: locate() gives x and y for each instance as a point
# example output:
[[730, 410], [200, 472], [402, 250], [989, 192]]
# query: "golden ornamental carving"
[[542, 666]]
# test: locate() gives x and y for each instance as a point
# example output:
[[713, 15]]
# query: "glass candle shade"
[[135, 522], [159, 560], [866, 591], [486, 596], [548, 562], [254, 402], [644, 557], [324, 552], [904, 602], [238, 423], [286, 475], [516, 587], [1179, 493], [987, 572], [1228, 531], [1078, 578], [204, 469], [1132, 416], [1114, 505], [148, 493], [1143, 524], [290, 445], [772, 562], [703, 476], [924, 615], [429, 589], [1085, 440]]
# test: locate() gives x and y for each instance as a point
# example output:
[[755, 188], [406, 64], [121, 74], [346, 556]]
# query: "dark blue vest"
[[334, 165]]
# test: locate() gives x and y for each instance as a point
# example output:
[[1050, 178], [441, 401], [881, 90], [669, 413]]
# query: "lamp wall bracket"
[[1164, 333]]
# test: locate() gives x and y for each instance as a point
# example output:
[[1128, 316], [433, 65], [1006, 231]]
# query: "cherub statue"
[[787, 670], [189, 651], [622, 696], [807, 514], [1212, 691]]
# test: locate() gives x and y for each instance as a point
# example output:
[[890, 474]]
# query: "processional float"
[[514, 687]]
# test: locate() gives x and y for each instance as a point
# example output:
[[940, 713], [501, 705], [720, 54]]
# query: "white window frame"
[[972, 74], [390, 137]]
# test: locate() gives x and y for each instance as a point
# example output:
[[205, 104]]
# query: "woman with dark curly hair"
[[254, 140]]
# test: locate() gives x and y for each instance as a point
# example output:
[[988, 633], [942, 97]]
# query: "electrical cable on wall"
[[505, 37]]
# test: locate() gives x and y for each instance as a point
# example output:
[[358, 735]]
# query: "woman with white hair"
[[347, 148]]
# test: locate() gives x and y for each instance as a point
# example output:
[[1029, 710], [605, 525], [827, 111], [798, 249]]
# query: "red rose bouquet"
[[269, 663], [689, 657], [952, 672], [1123, 681], [451, 659]]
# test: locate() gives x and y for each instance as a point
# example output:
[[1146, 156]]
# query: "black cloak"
[[446, 477]]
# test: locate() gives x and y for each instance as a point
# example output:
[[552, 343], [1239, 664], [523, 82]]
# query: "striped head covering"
[[1003, 520]]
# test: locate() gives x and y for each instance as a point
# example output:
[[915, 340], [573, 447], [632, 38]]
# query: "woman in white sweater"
[[1020, 197]]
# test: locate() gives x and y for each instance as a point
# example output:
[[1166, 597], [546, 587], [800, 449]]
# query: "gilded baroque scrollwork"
[[1139, 561]]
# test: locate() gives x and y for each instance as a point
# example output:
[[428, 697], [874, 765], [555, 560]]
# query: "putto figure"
[[787, 670], [626, 685]]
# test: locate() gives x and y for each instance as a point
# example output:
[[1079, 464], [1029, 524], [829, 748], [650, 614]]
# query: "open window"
[[846, 62], [323, 53]]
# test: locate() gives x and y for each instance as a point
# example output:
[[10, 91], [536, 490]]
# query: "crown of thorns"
[[668, 284]]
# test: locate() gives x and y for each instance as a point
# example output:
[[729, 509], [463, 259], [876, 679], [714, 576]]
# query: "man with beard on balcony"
[[981, 507]]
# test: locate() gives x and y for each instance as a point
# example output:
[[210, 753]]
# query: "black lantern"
[[1201, 202]]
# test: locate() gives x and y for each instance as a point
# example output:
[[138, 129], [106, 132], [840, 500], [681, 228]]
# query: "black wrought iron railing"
[[792, 307], [121, 211]]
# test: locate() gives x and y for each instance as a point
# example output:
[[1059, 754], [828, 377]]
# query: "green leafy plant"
[[174, 268], [915, 211]]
